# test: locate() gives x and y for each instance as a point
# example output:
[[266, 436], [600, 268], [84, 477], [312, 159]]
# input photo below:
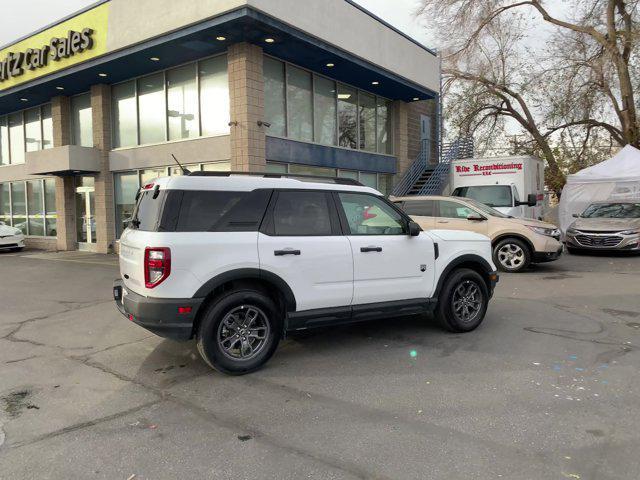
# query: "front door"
[[453, 215], [85, 216], [388, 264]]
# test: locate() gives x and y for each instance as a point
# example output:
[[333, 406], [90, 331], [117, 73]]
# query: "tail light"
[[157, 266]]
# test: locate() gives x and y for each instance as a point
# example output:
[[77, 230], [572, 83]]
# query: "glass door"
[[85, 208]]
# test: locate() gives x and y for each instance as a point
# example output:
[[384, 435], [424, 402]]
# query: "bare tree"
[[581, 86]]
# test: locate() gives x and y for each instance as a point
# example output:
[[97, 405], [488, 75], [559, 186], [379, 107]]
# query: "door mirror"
[[475, 217], [532, 201], [414, 229]]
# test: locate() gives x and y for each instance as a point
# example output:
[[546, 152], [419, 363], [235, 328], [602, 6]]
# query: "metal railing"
[[460, 148], [415, 171]]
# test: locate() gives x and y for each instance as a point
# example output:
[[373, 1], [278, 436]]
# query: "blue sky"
[[26, 16]]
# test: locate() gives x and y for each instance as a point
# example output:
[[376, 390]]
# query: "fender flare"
[[249, 274], [463, 260], [517, 236]]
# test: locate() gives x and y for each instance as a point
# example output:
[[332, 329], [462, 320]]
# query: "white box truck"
[[512, 185]]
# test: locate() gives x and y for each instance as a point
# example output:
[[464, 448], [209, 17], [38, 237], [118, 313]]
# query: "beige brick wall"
[[65, 186], [104, 209], [40, 243], [246, 92]]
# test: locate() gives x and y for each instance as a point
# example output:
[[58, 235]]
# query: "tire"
[[459, 284], [224, 317], [18, 249], [511, 255]]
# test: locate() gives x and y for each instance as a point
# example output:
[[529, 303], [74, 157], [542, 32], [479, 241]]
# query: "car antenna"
[[185, 171]]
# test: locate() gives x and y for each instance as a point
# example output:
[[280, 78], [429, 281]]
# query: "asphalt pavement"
[[547, 388]]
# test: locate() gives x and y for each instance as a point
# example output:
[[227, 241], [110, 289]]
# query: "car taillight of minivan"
[[157, 266]]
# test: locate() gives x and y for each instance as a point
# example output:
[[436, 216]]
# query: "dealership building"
[[94, 106]]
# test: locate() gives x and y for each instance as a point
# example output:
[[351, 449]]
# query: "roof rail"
[[309, 178]]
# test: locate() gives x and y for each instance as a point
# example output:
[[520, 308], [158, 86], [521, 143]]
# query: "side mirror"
[[476, 218], [532, 200], [414, 229]]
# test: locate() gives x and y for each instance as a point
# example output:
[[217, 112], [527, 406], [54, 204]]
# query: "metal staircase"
[[425, 179]]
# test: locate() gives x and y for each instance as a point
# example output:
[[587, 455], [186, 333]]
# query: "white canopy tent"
[[615, 179]]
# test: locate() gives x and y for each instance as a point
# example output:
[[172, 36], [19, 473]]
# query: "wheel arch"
[[470, 261], [263, 280], [518, 236]]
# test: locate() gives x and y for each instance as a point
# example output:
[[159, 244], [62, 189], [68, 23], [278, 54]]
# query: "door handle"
[[443, 221], [370, 249], [288, 251]]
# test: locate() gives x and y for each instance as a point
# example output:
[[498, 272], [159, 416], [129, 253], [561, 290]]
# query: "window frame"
[[337, 129], [267, 226], [43, 205], [344, 221], [166, 116], [5, 116]]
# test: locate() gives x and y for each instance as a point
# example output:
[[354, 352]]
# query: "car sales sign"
[[73, 41]]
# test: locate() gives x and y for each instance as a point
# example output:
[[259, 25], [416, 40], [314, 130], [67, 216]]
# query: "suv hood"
[[7, 231], [606, 224], [530, 221]]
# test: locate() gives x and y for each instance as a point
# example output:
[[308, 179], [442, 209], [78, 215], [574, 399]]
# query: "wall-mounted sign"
[[15, 63], [487, 169], [72, 41]]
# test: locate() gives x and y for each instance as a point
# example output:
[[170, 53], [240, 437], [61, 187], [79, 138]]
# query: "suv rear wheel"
[[463, 301], [511, 255], [239, 332]]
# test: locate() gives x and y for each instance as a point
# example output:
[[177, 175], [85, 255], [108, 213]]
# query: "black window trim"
[[343, 216], [268, 223]]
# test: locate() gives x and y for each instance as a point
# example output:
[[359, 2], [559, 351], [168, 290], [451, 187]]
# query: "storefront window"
[[274, 96], [297, 169], [47, 127], [182, 98], [5, 204], [385, 131], [276, 167], [367, 122], [124, 111], [36, 213], [4, 141], [19, 206], [150, 174], [214, 96], [82, 120], [50, 207], [126, 187], [16, 138], [347, 116], [324, 110], [216, 167], [33, 133], [385, 184], [151, 109], [348, 174], [369, 179], [299, 104]]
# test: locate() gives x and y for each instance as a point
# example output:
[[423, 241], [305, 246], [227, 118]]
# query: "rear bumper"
[[542, 257], [158, 315]]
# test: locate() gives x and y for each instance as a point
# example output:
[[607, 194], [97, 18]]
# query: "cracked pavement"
[[547, 388]]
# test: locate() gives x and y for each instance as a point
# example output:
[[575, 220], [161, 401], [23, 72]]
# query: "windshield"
[[492, 195], [612, 210], [485, 209]]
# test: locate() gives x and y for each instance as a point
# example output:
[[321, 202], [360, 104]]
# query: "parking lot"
[[547, 388]]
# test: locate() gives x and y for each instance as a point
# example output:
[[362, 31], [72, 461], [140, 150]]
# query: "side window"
[[423, 208], [369, 215], [302, 213], [454, 210], [215, 211]]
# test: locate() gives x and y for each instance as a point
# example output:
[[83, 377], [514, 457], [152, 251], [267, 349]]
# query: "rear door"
[[422, 211], [301, 242], [452, 215], [388, 264]]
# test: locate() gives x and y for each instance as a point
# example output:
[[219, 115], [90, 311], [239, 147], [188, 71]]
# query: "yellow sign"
[[73, 41]]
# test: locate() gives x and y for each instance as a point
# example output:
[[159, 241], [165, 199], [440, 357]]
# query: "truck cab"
[[504, 198]]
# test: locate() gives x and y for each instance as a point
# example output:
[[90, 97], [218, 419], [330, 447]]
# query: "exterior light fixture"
[[269, 40], [375, 83], [59, 88], [24, 99], [221, 38], [102, 75], [154, 59], [415, 99], [331, 65]]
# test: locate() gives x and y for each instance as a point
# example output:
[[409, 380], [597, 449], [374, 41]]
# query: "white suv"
[[236, 261]]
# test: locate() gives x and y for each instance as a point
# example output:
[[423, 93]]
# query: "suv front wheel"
[[511, 255], [463, 301], [239, 332]]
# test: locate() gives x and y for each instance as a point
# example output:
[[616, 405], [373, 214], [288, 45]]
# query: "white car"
[[236, 261], [11, 238]]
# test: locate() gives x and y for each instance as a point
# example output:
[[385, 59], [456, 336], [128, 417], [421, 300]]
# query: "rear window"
[[492, 195], [215, 211], [147, 212], [422, 208]]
